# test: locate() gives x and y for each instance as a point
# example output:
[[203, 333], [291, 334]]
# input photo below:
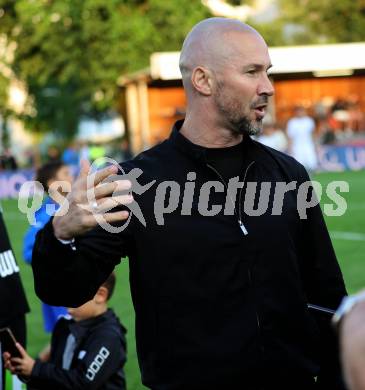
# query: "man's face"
[[242, 85]]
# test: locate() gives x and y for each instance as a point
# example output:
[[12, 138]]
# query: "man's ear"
[[101, 295], [201, 80]]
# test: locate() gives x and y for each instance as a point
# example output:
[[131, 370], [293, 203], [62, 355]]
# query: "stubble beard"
[[231, 111], [242, 126]]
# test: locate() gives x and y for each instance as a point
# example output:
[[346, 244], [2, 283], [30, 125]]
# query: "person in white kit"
[[273, 137], [300, 130]]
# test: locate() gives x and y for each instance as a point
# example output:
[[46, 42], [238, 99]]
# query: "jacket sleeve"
[[66, 275], [324, 286], [104, 356], [321, 272]]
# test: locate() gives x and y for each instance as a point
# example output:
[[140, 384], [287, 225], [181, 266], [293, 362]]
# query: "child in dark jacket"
[[87, 351]]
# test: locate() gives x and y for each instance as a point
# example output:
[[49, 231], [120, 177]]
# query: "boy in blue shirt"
[[46, 175]]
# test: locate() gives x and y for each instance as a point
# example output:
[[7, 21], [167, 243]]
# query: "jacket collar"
[[198, 152], [79, 329], [194, 151]]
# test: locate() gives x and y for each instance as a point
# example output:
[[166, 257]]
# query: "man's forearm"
[[63, 276]]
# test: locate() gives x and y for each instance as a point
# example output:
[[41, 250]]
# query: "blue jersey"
[[50, 313]]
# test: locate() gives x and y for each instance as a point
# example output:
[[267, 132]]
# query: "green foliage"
[[273, 32], [71, 53], [4, 85], [325, 21], [4, 111], [172, 21], [315, 21]]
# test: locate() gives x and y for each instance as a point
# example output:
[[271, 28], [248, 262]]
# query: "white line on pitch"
[[351, 236]]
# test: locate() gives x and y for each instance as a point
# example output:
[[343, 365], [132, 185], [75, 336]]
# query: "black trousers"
[[19, 329]]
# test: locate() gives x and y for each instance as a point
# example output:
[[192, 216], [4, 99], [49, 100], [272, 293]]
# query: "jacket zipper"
[[243, 228], [239, 212]]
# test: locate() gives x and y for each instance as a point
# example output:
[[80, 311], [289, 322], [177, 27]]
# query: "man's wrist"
[[71, 243], [64, 238], [66, 242], [345, 307]]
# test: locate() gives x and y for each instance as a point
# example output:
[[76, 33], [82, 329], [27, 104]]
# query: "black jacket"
[[13, 302], [97, 359], [214, 307]]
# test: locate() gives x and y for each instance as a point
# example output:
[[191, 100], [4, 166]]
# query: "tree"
[[5, 75], [324, 21], [71, 53], [273, 32]]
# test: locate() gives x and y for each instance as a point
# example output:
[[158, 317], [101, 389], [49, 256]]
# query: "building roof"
[[322, 60]]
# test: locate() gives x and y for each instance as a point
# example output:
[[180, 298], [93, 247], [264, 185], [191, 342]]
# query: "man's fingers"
[[84, 168], [106, 204], [101, 190], [94, 179], [116, 217], [103, 205], [91, 220], [105, 189]]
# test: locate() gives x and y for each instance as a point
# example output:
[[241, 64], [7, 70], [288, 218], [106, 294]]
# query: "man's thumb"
[[84, 168]]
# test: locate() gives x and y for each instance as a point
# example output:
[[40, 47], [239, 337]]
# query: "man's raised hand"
[[92, 194]]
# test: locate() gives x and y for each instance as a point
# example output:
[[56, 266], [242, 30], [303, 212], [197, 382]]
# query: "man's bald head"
[[224, 65], [208, 45]]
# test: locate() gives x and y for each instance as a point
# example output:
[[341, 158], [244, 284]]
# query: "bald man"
[[220, 288]]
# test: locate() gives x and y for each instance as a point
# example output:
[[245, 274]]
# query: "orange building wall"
[[163, 104], [289, 93]]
